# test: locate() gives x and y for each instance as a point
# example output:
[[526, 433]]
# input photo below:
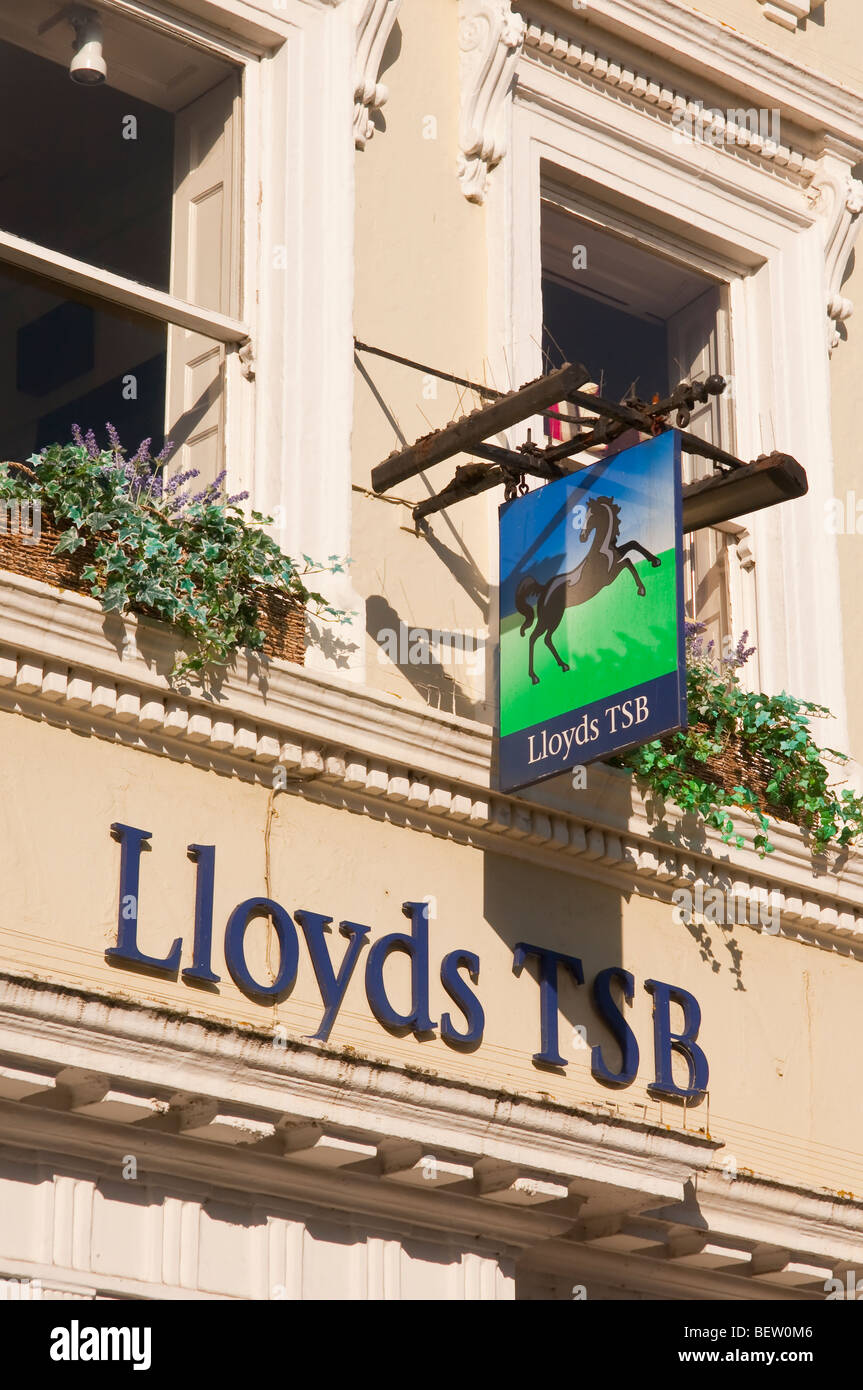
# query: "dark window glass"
[[620, 350], [68, 360], [71, 182]]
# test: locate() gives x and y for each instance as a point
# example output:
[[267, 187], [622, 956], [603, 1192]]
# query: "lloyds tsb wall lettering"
[[463, 1022]]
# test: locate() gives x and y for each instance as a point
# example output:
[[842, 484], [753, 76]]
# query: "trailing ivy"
[[768, 734], [194, 560]]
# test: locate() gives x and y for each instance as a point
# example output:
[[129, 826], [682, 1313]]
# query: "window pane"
[[620, 350], [68, 360], [72, 182]]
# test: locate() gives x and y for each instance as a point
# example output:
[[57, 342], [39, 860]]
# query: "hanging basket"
[[738, 766], [281, 618]]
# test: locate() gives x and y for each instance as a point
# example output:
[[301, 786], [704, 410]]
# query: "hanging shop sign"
[[463, 1024], [591, 614]]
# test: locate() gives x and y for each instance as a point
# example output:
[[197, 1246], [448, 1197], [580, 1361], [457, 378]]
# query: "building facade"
[[294, 1003]]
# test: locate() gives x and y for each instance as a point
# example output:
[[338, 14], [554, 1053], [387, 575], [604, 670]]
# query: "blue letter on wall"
[[613, 1016], [289, 950], [665, 1042], [331, 985], [201, 970], [549, 1052], [417, 947], [126, 951], [461, 995]]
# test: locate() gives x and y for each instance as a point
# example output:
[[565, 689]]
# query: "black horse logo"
[[604, 561]]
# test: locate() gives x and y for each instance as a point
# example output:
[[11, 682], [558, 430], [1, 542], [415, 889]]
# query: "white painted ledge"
[[239, 1114]]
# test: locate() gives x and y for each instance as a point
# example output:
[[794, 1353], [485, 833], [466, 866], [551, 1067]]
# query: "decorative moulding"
[[490, 40], [664, 102], [840, 201], [343, 745], [89, 1072], [375, 20], [790, 13], [715, 52]]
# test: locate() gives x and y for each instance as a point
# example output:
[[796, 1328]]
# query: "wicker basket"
[[738, 766], [281, 618]]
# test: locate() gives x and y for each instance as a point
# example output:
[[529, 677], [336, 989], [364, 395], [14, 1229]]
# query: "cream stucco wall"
[[779, 1017], [830, 40], [421, 286]]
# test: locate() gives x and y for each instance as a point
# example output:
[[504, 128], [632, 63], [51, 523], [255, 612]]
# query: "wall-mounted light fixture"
[[88, 63]]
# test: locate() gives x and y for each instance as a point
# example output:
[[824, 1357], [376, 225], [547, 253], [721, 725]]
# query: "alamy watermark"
[[725, 908], [20, 1289], [710, 125], [424, 646], [850, 1291], [843, 516], [22, 519]]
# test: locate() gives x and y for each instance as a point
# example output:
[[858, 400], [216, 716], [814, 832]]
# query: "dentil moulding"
[[790, 13]]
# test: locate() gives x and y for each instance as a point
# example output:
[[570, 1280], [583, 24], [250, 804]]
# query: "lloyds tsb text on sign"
[[459, 973]]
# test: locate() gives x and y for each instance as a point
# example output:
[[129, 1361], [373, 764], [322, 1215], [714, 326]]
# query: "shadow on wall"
[[542, 909], [537, 906], [456, 687], [436, 686]]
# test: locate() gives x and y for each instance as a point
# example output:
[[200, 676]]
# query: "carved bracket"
[[790, 13], [375, 20], [841, 203], [246, 354], [490, 40]]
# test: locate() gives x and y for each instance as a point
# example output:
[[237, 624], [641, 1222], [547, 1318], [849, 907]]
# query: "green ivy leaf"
[[68, 542], [115, 598]]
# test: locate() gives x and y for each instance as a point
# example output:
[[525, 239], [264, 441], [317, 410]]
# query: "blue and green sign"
[[591, 614]]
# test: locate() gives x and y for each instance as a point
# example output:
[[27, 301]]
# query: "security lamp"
[[88, 65]]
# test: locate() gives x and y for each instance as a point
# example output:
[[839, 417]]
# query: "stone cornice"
[[80, 1075], [63, 662], [238, 1102], [586, 59], [720, 54]]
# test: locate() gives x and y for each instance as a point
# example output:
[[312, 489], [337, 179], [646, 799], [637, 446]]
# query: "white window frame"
[[118, 289], [761, 235], [102, 284], [291, 367]]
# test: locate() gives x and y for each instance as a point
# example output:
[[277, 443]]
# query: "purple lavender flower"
[[178, 479], [176, 497], [143, 453], [694, 639], [212, 492], [740, 655]]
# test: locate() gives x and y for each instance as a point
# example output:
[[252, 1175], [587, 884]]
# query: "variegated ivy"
[[194, 560], [773, 728]]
